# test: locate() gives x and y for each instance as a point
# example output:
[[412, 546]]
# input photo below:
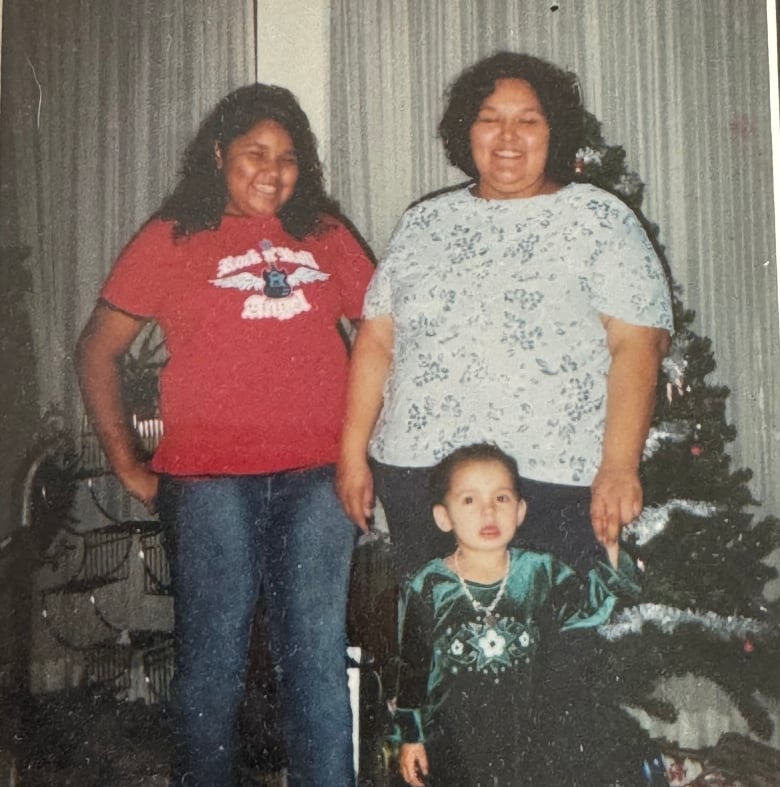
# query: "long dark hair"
[[558, 93], [199, 199]]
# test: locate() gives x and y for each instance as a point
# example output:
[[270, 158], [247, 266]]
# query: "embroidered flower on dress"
[[494, 647], [492, 644], [490, 649]]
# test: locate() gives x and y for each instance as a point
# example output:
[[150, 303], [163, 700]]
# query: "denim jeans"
[[230, 539]]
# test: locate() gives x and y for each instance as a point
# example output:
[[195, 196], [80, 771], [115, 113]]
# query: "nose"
[[270, 168], [508, 128]]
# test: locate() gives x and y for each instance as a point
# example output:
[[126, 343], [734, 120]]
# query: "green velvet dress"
[[467, 685]]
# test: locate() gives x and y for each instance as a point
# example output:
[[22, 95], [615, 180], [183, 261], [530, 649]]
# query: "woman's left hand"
[[616, 494], [616, 499]]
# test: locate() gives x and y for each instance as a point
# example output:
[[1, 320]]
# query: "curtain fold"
[[683, 86], [99, 98]]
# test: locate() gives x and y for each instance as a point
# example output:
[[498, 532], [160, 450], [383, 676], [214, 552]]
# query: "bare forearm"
[[631, 388], [369, 368], [106, 338], [99, 379], [636, 354]]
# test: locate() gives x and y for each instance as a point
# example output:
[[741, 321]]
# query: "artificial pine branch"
[[701, 552]]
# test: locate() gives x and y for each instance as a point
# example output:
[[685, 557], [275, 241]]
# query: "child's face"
[[482, 508]]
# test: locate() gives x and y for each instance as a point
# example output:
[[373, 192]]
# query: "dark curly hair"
[[199, 199], [558, 93], [440, 477]]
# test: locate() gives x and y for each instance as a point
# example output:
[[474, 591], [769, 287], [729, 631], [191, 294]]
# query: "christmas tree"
[[703, 609]]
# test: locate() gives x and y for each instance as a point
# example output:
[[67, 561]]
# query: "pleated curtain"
[[682, 85], [99, 98]]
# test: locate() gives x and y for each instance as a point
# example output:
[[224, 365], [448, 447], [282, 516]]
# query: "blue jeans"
[[231, 538]]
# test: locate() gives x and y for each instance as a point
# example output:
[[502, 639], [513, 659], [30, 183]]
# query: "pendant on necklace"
[[490, 617]]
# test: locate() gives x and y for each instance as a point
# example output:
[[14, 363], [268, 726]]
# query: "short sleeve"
[[624, 275], [135, 283], [379, 297], [378, 300]]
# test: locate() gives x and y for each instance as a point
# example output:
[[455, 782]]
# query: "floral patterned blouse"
[[498, 337]]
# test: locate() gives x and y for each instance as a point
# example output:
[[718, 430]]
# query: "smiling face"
[[260, 170], [482, 507], [510, 140]]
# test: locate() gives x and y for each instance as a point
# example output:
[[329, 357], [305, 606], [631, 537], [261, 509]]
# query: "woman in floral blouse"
[[520, 308]]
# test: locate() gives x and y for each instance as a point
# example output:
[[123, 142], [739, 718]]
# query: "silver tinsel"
[[653, 519], [674, 367], [675, 364], [665, 432], [628, 184], [589, 156], [669, 619]]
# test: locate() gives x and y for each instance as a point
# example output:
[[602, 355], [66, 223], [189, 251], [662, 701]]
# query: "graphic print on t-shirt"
[[278, 288]]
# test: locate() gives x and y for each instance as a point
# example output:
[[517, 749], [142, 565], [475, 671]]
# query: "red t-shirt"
[[256, 377]]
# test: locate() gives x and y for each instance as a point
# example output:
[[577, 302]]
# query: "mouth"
[[265, 190], [490, 531], [508, 154]]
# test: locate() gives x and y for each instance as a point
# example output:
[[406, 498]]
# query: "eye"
[[468, 500], [504, 498]]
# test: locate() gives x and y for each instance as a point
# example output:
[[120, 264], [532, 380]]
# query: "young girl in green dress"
[[474, 627]]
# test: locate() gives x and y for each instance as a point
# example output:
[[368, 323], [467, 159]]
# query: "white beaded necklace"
[[490, 618]]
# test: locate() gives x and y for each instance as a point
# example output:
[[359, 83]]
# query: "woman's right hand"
[[142, 484], [371, 357], [105, 339], [355, 488]]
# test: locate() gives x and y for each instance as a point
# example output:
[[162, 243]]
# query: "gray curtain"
[[683, 85], [99, 98]]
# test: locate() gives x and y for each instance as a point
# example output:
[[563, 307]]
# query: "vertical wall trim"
[[293, 50], [774, 104], [257, 38], [1, 35]]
